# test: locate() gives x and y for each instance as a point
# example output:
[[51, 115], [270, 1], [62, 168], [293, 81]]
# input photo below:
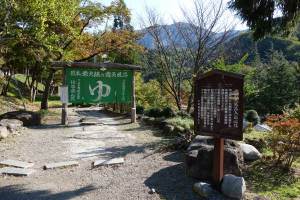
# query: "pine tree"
[[260, 15]]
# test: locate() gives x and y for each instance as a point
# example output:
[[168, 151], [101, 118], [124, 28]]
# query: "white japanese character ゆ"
[[100, 87]]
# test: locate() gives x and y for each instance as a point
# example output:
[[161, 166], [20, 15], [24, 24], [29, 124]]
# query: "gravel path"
[[144, 168]]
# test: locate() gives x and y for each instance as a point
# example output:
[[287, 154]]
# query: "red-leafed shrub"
[[285, 139]]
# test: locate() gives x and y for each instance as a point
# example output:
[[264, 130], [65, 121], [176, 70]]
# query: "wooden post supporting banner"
[[218, 165], [64, 111], [133, 109]]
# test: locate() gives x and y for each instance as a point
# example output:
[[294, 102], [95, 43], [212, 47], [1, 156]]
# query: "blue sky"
[[168, 8]]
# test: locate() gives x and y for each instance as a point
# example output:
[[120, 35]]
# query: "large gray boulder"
[[204, 189], [199, 158], [3, 132], [262, 127], [27, 117], [233, 186], [250, 152], [13, 125]]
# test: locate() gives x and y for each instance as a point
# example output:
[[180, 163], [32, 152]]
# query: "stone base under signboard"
[[199, 158]]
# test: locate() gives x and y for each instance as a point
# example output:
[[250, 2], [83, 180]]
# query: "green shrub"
[[249, 127], [158, 120], [284, 140], [292, 112], [155, 112], [183, 114], [183, 122], [140, 109], [168, 112], [252, 116]]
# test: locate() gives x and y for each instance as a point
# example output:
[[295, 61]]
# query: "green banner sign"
[[97, 86]]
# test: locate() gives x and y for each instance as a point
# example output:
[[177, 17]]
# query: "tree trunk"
[[20, 93], [35, 90], [52, 90], [190, 101], [122, 107], [26, 83], [44, 103], [178, 103], [31, 88], [179, 94], [5, 88]]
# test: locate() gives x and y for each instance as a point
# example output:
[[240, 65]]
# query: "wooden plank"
[[16, 171], [113, 161], [61, 165], [16, 163]]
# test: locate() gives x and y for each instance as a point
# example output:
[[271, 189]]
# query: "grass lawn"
[[13, 101], [21, 78], [264, 178]]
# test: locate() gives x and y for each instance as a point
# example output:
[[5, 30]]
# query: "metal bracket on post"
[[218, 163]]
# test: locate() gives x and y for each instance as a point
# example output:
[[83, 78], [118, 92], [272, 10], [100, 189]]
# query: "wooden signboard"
[[219, 104], [218, 109]]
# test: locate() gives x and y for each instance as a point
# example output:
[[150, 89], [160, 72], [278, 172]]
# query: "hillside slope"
[[243, 44]]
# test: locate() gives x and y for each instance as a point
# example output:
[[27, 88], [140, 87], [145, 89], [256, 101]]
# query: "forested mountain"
[[272, 64], [147, 40], [243, 44]]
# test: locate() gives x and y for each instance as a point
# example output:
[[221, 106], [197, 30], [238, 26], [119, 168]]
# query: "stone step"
[[61, 165], [16, 171], [16, 163], [113, 161]]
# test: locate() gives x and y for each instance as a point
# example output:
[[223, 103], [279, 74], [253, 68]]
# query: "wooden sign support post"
[[64, 111], [218, 165], [133, 106]]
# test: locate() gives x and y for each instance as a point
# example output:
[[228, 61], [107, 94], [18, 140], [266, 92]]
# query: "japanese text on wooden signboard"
[[213, 102], [95, 86], [218, 107]]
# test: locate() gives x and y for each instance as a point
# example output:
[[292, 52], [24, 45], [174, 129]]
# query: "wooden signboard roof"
[[223, 73], [90, 65]]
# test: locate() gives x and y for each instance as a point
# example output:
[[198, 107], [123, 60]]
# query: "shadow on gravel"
[[100, 113], [18, 192], [57, 126], [177, 156], [172, 183], [115, 152]]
